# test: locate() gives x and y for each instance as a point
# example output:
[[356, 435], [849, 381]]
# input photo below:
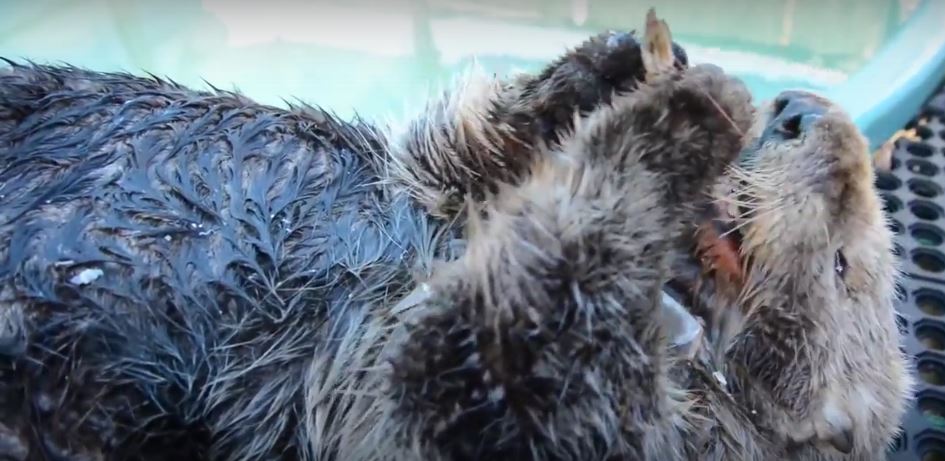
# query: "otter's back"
[[183, 245]]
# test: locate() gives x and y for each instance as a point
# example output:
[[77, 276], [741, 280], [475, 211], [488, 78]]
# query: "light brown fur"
[[817, 357]]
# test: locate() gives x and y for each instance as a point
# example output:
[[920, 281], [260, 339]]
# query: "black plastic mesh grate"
[[914, 196]]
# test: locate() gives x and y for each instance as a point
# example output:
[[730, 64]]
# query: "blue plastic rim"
[[891, 88]]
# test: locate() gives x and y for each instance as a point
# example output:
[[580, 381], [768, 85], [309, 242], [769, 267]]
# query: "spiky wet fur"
[[255, 261]]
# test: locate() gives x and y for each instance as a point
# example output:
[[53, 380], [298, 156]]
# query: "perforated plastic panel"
[[914, 195], [914, 199]]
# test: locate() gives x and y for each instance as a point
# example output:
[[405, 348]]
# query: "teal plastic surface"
[[878, 58], [888, 91]]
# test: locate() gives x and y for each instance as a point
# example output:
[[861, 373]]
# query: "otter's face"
[[801, 203], [815, 274]]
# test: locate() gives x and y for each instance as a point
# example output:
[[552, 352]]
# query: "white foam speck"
[[86, 276], [721, 379]]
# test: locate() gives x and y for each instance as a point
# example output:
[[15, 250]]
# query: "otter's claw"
[[657, 50]]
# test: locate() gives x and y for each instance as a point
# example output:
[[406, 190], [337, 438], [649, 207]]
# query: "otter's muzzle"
[[794, 113]]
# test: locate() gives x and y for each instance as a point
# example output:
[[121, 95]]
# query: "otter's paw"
[[523, 354], [473, 385], [720, 106], [729, 107], [585, 78], [687, 127]]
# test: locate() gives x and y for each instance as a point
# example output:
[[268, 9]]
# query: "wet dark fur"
[[237, 242], [253, 259]]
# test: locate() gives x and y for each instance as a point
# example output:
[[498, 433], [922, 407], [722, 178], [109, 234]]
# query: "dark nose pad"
[[794, 113]]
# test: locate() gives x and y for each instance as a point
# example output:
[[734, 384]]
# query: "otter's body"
[[195, 254], [189, 275]]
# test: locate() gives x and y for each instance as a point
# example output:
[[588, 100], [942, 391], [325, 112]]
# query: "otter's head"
[[798, 250], [802, 204]]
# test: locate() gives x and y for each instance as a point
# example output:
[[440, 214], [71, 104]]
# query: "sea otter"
[[192, 275]]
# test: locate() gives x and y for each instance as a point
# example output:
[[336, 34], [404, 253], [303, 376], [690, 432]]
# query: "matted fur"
[[192, 275]]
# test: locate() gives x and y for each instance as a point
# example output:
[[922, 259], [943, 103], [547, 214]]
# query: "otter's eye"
[[840, 264]]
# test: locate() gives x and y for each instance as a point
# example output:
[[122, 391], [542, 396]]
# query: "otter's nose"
[[794, 113]]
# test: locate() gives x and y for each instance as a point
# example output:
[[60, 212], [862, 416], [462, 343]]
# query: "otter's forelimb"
[[486, 132], [544, 340]]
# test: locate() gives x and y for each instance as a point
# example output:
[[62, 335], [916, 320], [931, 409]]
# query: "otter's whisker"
[[750, 220], [724, 114]]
